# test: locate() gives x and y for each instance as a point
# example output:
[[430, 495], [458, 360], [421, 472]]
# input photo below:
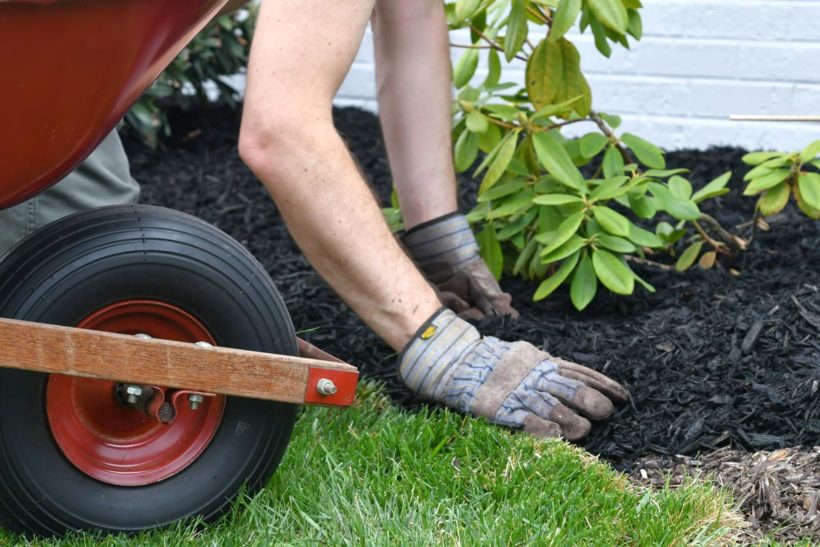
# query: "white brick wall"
[[699, 62]]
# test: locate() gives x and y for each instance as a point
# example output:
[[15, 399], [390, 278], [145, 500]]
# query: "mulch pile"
[[713, 360], [774, 489]]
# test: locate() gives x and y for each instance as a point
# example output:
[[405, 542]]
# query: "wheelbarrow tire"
[[90, 260]]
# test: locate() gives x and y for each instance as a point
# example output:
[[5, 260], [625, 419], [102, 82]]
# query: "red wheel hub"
[[119, 444]]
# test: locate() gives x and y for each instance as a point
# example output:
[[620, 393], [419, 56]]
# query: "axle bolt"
[[143, 336], [194, 400], [325, 387], [132, 393], [205, 345]]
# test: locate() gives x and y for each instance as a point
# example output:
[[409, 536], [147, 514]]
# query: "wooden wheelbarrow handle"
[[93, 354]]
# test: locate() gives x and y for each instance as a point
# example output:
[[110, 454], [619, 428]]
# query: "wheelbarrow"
[[150, 368]]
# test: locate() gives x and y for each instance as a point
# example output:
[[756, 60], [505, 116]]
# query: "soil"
[[717, 361]]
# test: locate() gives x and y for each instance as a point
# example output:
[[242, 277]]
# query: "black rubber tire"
[[83, 262]]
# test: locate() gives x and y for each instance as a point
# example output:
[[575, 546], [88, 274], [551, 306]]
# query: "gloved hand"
[[511, 384], [446, 251]]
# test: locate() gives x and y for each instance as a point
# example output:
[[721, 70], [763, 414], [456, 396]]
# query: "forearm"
[[336, 222], [414, 93]]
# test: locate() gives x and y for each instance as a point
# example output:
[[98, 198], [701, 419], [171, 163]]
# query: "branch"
[[650, 263], [492, 43], [602, 125], [736, 243]]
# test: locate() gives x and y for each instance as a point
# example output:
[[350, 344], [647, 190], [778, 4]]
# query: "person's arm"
[[302, 50], [414, 90]]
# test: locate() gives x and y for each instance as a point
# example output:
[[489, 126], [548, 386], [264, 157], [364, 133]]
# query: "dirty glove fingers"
[[445, 248], [458, 305], [592, 378], [573, 427], [572, 392], [539, 427]]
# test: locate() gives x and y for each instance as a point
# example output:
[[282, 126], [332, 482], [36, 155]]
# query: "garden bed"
[[714, 361]]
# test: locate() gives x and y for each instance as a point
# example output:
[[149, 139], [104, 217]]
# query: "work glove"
[[446, 251], [511, 384]]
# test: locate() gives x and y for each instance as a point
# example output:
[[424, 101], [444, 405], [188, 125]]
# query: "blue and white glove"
[[511, 384]]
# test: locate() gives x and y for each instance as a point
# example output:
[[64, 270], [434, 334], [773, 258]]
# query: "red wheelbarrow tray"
[[71, 70]]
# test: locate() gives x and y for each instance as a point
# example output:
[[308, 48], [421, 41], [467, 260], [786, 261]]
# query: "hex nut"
[[325, 387]]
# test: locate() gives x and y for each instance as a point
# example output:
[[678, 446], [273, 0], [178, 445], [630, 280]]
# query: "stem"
[[605, 129], [650, 263], [493, 44], [471, 46], [734, 242], [716, 244]]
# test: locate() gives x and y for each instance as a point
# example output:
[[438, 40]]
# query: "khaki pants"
[[103, 179]]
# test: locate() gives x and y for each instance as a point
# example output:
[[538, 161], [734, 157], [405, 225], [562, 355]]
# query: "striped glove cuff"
[[444, 239]]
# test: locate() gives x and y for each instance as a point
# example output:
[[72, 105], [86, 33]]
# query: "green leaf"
[[774, 199], [512, 204], [516, 29], [611, 221], [600, 37], [809, 185], [465, 67], [516, 227], [489, 139], [680, 187], [554, 75], [524, 257], [714, 188], [490, 250], [564, 18], [549, 285], [648, 154], [810, 152], [570, 247], [613, 163], [592, 144], [644, 238], [757, 172], [664, 173], [679, 208], [493, 69], [466, 151], [477, 122], [551, 153], [564, 232], [503, 112], [808, 210], [767, 181], [610, 188], [501, 190], [466, 8], [613, 273], [612, 120], [556, 109], [641, 205], [584, 284], [635, 25], [556, 199], [688, 257], [500, 162], [617, 244], [756, 158], [611, 13]]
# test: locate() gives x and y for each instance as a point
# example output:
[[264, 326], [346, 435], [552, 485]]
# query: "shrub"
[[777, 175], [220, 50], [567, 210]]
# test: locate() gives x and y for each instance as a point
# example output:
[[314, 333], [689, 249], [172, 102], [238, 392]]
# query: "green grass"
[[376, 475]]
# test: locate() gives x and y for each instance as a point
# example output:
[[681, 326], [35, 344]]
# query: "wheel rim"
[[119, 444]]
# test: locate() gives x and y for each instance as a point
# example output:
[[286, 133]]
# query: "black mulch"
[[712, 360]]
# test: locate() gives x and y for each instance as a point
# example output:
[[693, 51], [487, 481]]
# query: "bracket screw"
[[194, 400], [143, 336], [325, 387], [205, 345], [132, 393]]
